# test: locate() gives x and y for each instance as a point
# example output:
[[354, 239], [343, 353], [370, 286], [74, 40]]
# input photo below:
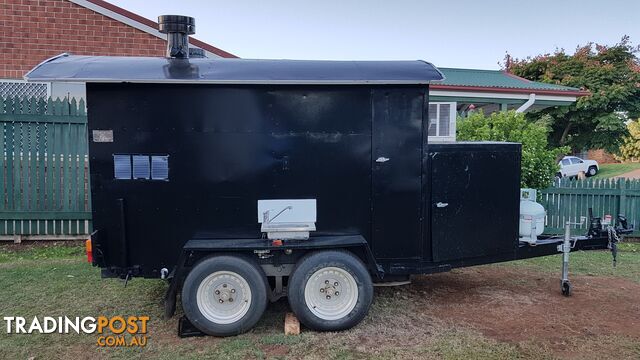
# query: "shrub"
[[630, 149], [539, 162]]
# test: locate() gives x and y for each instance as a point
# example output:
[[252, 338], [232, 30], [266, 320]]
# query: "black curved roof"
[[72, 68]]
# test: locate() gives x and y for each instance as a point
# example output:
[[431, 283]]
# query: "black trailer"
[[242, 181]]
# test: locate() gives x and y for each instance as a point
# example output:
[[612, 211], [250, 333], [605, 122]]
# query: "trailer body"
[[184, 151], [230, 146]]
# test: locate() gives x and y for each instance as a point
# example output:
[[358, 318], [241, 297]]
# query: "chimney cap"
[[176, 23], [196, 53]]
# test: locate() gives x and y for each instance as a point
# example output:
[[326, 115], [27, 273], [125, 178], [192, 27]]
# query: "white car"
[[572, 166]]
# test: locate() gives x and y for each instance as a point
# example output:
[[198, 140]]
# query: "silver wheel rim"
[[592, 171], [224, 297], [331, 293]]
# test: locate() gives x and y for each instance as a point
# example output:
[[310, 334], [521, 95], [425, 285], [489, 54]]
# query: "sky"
[[449, 33]]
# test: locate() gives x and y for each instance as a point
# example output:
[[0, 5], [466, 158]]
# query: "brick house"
[[34, 30]]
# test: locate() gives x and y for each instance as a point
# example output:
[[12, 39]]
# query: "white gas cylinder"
[[532, 215]]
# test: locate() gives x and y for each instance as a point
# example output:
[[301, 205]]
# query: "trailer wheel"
[[330, 290], [225, 295]]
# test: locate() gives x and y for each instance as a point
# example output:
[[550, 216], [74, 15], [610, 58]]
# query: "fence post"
[[622, 203]]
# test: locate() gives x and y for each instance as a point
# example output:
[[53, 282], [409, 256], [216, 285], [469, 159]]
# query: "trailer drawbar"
[[243, 181]]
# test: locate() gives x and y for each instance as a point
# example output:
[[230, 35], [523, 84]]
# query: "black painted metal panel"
[[229, 146], [477, 187], [397, 173]]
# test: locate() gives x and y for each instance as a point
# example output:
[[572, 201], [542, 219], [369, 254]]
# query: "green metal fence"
[[568, 200], [44, 172]]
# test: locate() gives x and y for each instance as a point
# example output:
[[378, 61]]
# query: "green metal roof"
[[495, 79]]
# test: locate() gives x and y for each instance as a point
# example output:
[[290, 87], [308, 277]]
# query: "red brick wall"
[[34, 30]]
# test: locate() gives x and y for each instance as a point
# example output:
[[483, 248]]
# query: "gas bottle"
[[532, 216]]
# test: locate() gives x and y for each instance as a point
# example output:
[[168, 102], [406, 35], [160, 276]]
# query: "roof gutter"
[[527, 104], [445, 87]]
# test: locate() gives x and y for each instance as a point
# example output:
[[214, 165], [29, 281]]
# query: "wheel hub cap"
[[224, 297], [331, 293]]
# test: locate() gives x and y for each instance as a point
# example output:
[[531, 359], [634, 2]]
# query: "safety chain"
[[614, 239]]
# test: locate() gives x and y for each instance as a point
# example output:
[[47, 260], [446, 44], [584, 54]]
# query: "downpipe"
[[527, 104]]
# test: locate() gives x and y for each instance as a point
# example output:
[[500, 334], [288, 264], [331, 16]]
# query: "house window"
[[442, 120]]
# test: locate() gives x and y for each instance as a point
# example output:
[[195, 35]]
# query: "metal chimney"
[[178, 28]]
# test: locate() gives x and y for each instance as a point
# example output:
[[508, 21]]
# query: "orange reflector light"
[[87, 245], [276, 243]]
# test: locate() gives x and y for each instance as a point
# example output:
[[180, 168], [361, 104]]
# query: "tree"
[[630, 150], [539, 163], [612, 76]]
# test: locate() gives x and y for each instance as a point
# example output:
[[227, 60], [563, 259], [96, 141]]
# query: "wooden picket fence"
[[44, 171], [569, 200]]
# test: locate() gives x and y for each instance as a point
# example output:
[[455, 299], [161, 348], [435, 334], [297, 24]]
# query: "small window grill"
[[122, 167], [22, 89], [160, 167], [141, 167]]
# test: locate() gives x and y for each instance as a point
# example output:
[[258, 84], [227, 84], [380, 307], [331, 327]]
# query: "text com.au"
[[112, 331]]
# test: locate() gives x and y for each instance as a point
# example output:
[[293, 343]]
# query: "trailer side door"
[[474, 200], [396, 172]]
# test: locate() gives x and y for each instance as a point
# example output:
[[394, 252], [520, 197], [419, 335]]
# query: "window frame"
[[453, 115]]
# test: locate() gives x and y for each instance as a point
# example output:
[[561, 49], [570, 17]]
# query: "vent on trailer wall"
[[141, 167]]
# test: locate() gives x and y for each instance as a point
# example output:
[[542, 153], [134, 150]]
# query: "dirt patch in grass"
[[512, 305], [275, 350]]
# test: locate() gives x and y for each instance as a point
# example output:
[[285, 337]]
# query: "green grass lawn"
[[611, 170], [591, 263], [56, 281]]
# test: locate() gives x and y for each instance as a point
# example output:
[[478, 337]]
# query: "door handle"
[[441, 204], [382, 159]]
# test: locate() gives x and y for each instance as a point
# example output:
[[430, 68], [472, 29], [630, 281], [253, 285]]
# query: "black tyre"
[[225, 295], [330, 290], [592, 171]]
